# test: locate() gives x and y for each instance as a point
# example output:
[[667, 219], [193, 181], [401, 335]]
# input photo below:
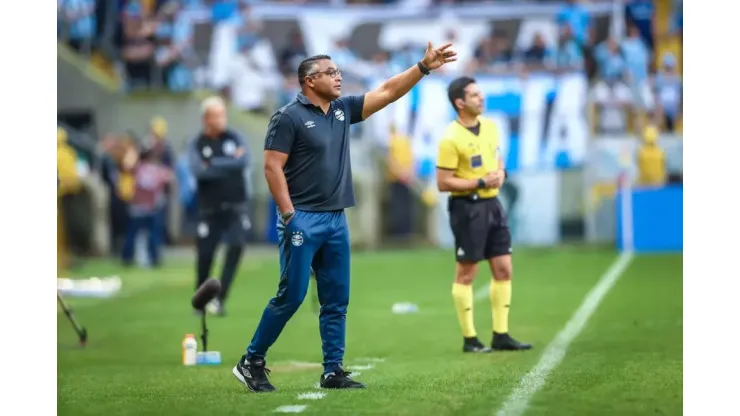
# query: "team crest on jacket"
[[297, 238], [207, 151], [339, 114], [229, 147]]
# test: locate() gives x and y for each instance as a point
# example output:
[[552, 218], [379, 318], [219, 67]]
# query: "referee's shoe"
[[339, 379], [473, 344], [253, 374], [504, 342]]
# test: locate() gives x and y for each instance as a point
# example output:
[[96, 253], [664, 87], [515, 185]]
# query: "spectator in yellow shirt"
[[399, 176], [651, 159], [69, 180], [68, 184]]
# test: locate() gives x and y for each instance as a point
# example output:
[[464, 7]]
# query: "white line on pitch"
[[293, 408], [370, 359], [313, 395], [519, 398], [361, 367]]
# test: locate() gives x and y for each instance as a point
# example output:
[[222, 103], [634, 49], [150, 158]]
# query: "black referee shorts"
[[229, 225], [480, 228]]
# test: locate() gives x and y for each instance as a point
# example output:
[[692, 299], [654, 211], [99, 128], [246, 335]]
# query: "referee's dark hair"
[[307, 65], [456, 90]]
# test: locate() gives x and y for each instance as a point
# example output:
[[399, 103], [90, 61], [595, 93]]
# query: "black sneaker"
[[473, 344], [339, 379], [504, 342], [253, 374]]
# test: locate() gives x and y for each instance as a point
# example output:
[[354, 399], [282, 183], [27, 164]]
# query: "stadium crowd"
[[152, 45]]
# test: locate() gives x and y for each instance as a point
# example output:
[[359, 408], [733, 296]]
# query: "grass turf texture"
[[628, 359]]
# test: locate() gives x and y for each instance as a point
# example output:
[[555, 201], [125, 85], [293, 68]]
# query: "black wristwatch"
[[481, 183], [285, 216], [424, 70]]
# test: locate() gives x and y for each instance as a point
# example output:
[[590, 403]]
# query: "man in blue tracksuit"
[[307, 167]]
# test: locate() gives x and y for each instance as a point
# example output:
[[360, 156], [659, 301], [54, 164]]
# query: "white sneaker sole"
[[241, 378]]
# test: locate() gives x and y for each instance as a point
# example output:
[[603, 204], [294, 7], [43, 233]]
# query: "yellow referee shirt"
[[470, 156]]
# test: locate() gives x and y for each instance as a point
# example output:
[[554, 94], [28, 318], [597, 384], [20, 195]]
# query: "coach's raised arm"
[[400, 84], [321, 82]]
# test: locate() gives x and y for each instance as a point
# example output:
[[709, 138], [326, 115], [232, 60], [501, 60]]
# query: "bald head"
[[213, 110]]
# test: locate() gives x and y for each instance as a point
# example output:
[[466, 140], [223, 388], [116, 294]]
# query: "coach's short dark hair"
[[456, 89], [306, 66]]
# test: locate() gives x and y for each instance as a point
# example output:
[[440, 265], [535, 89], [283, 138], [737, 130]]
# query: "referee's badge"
[[339, 114], [297, 238], [229, 148], [207, 151]]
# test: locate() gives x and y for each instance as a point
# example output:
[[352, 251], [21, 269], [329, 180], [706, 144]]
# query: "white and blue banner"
[[541, 118]]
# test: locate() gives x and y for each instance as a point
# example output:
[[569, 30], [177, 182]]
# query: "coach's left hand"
[[436, 57]]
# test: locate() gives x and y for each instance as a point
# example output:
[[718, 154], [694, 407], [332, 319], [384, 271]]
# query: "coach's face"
[[473, 103], [325, 80], [215, 119]]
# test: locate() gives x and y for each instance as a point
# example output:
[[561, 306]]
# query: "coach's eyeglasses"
[[332, 73]]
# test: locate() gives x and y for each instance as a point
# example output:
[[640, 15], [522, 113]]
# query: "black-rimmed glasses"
[[332, 73]]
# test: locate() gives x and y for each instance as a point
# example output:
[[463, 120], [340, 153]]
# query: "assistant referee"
[[469, 166]]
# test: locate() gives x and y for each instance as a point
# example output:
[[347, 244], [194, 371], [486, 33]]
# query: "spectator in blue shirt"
[[641, 14], [569, 55], [576, 17], [636, 55], [637, 60], [173, 45], [538, 55], [611, 96], [669, 92], [493, 54], [81, 20], [610, 62]]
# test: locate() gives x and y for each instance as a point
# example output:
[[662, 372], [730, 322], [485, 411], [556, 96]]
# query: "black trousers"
[[401, 212], [230, 226]]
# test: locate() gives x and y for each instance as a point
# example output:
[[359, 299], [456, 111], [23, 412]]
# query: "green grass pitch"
[[627, 360]]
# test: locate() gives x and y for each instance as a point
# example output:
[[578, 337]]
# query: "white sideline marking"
[[314, 395], [293, 408], [518, 400], [370, 359], [361, 367], [304, 364]]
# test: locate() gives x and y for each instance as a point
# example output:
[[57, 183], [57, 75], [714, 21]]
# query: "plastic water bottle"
[[189, 350]]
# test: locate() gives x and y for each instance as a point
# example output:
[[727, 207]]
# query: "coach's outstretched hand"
[[436, 57]]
